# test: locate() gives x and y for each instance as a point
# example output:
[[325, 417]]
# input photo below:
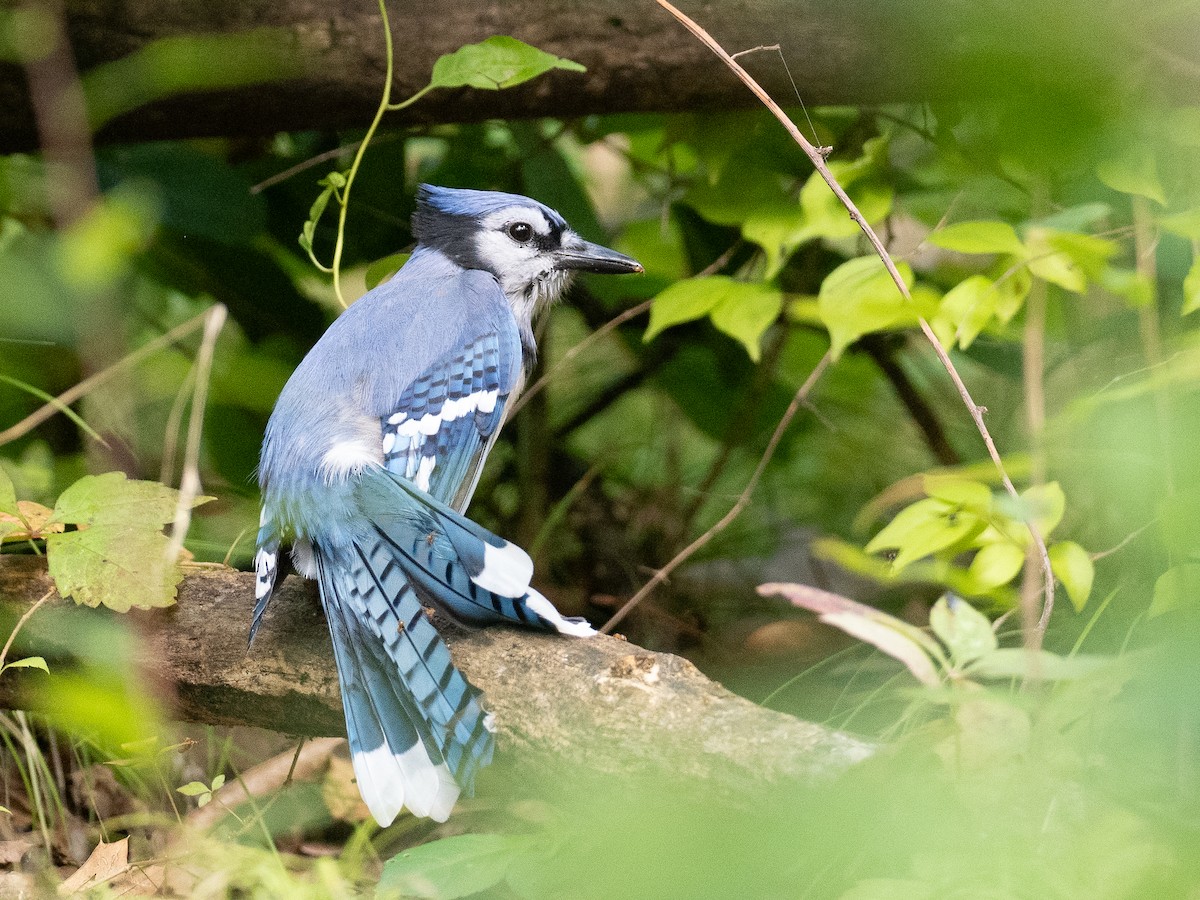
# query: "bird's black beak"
[[584, 256]]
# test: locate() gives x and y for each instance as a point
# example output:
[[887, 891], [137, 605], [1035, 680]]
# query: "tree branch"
[[601, 703]]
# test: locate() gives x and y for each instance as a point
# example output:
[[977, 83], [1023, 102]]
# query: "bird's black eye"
[[521, 232]]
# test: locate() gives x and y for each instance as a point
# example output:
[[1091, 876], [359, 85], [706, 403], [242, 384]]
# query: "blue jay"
[[370, 459]]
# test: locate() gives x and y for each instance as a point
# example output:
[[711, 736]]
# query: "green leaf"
[[29, 662], [8, 496], [1017, 662], [1133, 172], [1067, 258], [1074, 569], [1178, 588], [924, 528], [963, 492], [317, 210], [193, 789], [968, 307], [453, 867], [1186, 224], [859, 297], [996, 564], [383, 269], [978, 237], [499, 62], [746, 312], [117, 565], [964, 630], [218, 782], [1191, 288], [1046, 503], [686, 301], [111, 499]]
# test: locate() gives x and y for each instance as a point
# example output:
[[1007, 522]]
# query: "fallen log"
[[601, 704]]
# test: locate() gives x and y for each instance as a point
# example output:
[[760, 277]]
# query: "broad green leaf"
[[962, 628], [453, 867], [1017, 662], [193, 789], [1137, 289], [1186, 224], [958, 491], [1012, 287], [499, 62], [978, 237], [912, 517], [309, 229], [825, 215], [748, 310], [995, 564], [1133, 172], [1067, 258], [1074, 569], [8, 495], [1046, 503], [924, 528], [968, 307], [117, 565], [1178, 588], [859, 297], [383, 269], [29, 662], [1191, 288], [218, 782], [686, 301], [111, 499]]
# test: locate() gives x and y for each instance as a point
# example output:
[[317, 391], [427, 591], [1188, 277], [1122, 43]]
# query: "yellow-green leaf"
[[859, 297], [968, 307], [1074, 568], [113, 499], [996, 564], [686, 301], [747, 310], [117, 565], [1133, 172], [978, 237], [958, 491]]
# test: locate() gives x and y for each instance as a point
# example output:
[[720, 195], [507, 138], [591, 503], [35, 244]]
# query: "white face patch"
[[526, 273]]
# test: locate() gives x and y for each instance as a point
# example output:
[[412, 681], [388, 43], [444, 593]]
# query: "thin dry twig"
[[189, 479], [818, 160], [740, 504], [21, 624], [69, 396]]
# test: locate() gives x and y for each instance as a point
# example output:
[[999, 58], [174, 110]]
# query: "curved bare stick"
[[818, 161], [740, 504]]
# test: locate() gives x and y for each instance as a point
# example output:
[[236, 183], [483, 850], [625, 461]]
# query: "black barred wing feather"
[[444, 424]]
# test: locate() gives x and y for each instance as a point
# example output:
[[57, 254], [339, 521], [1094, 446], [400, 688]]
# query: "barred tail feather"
[[391, 763], [466, 571], [418, 732]]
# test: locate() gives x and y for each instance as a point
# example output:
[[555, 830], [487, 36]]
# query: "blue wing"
[[444, 424]]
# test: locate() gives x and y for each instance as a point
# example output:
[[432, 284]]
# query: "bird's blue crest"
[[465, 202]]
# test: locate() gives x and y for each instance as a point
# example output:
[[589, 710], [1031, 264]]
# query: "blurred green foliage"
[[1050, 238]]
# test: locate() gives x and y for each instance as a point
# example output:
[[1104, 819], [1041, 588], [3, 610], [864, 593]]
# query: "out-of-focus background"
[[1033, 171]]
